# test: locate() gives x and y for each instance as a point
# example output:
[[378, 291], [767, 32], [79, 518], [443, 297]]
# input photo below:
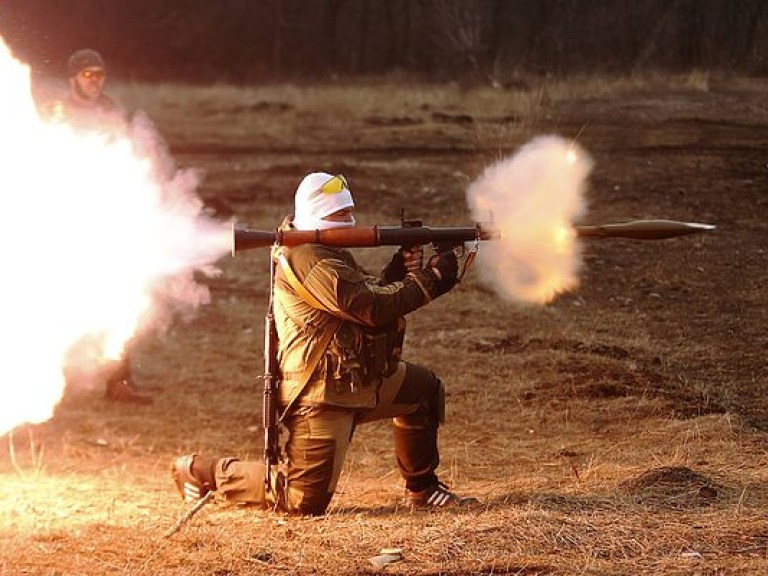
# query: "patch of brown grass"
[[606, 433]]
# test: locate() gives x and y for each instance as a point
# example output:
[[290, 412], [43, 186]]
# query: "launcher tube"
[[361, 236], [366, 236]]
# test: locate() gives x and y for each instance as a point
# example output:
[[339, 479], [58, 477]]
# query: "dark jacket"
[[357, 306]]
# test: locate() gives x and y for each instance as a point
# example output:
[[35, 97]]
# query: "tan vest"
[[323, 300]]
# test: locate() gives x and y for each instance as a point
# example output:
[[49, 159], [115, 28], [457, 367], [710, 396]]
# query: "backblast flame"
[[100, 240], [534, 197]]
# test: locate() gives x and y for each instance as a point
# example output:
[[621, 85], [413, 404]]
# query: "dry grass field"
[[617, 430]]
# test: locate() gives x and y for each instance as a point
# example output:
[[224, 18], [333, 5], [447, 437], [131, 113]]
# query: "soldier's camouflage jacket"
[[364, 311]]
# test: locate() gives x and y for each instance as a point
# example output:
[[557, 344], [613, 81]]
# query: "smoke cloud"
[[102, 239], [188, 240], [533, 198]]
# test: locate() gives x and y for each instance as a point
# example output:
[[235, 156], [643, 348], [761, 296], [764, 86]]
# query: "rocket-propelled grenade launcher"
[[412, 233], [363, 236]]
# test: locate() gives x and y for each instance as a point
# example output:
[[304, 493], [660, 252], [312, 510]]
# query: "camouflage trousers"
[[319, 436]]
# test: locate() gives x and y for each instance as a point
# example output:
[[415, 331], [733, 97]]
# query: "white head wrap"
[[312, 204]]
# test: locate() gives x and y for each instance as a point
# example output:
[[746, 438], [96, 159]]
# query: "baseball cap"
[[82, 59]]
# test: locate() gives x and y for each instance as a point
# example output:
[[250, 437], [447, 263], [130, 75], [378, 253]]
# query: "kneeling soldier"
[[340, 332]]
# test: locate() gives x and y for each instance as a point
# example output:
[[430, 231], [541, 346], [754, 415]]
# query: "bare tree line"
[[495, 41]]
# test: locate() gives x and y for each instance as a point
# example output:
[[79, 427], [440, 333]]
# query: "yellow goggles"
[[335, 185]]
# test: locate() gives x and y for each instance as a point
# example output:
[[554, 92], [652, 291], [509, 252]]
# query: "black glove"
[[395, 270], [414, 258], [445, 269]]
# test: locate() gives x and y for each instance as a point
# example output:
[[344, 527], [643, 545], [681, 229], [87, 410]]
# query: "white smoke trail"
[[101, 239], [195, 241], [533, 197]]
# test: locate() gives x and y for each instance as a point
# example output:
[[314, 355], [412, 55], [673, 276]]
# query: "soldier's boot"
[[437, 495], [194, 476]]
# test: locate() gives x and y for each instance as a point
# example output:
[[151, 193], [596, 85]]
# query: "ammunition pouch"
[[345, 360], [358, 359], [384, 349]]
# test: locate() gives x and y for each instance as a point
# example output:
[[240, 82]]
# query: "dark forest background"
[[497, 41]]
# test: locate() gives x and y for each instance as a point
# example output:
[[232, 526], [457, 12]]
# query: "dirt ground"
[[617, 430]]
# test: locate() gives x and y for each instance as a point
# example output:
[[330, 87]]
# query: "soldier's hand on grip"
[[396, 269], [445, 268], [404, 261], [414, 258]]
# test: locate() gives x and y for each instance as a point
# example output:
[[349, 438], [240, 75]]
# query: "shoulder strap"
[[325, 338], [302, 291]]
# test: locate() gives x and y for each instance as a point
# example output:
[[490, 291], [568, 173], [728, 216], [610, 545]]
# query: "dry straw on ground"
[[614, 431]]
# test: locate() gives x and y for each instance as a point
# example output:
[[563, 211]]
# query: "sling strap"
[[325, 338], [305, 294]]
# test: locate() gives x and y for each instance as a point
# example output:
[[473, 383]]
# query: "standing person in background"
[[87, 108], [340, 332], [87, 77]]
